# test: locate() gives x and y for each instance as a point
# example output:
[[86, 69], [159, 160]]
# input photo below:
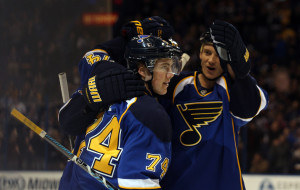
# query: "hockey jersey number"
[[156, 158], [106, 144]]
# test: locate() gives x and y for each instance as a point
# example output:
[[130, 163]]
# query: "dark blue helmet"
[[147, 49], [206, 38]]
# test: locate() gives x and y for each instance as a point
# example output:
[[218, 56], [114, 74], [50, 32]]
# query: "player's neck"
[[148, 91], [205, 82]]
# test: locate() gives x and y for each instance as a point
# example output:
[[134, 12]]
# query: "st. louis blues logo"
[[196, 115], [142, 37]]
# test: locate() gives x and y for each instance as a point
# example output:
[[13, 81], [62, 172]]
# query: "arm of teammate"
[[111, 83], [79, 112], [247, 99], [231, 48], [74, 117], [153, 25]]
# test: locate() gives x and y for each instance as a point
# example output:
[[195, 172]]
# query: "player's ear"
[[144, 72]]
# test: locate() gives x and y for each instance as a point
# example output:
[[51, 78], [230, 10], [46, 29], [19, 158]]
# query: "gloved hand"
[[225, 35], [132, 29], [111, 87], [158, 26], [154, 25]]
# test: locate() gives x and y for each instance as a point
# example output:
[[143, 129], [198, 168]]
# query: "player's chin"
[[211, 73], [211, 76], [162, 91]]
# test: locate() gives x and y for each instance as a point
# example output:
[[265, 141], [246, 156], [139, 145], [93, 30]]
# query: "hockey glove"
[[158, 26], [111, 87], [153, 25], [230, 47], [132, 29]]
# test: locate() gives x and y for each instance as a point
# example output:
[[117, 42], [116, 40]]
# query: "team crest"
[[196, 115], [142, 37]]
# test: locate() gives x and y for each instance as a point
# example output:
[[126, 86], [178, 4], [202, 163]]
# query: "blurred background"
[[39, 39]]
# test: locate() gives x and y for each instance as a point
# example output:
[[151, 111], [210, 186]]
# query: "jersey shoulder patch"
[[149, 112], [96, 55], [88, 63]]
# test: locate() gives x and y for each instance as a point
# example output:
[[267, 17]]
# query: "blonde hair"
[[203, 44]]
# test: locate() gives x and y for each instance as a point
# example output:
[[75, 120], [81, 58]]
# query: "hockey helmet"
[[147, 49], [205, 38]]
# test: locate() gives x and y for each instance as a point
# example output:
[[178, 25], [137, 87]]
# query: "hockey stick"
[[65, 95], [64, 86], [184, 59], [23, 119]]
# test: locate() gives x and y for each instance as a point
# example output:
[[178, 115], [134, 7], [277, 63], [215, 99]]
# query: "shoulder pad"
[[149, 112]]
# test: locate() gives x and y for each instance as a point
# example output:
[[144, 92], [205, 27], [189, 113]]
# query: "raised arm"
[[247, 99]]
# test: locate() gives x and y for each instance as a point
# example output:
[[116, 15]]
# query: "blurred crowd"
[[37, 42]]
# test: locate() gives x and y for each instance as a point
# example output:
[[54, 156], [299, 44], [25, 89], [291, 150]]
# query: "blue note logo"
[[142, 37], [197, 115], [266, 185]]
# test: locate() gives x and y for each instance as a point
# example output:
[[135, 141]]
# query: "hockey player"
[[107, 61], [129, 144], [207, 109]]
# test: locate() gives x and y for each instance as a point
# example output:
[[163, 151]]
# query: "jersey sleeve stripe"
[[129, 103], [263, 102], [138, 183], [99, 50], [242, 119], [96, 51]]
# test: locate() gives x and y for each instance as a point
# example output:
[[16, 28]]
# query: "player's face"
[[162, 74], [210, 62]]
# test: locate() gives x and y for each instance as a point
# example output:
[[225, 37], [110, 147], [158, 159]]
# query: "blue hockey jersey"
[[129, 145], [205, 135]]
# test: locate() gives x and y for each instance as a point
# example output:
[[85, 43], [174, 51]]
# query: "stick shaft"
[[23, 119], [65, 95], [64, 86], [27, 122], [184, 58]]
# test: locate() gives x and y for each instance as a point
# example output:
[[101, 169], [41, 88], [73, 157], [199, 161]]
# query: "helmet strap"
[[150, 87]]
